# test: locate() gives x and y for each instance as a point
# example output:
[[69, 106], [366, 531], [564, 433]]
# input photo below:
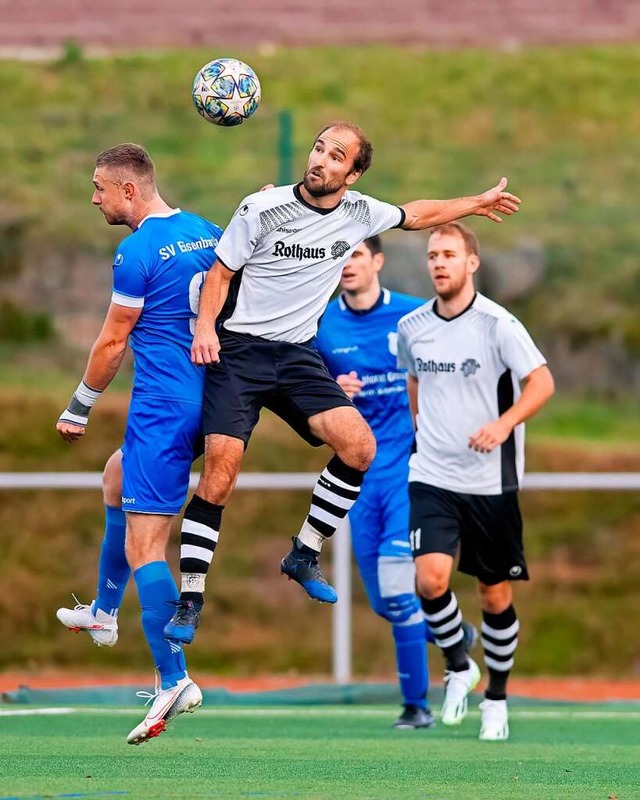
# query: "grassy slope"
[[563, 124], [576, 612]]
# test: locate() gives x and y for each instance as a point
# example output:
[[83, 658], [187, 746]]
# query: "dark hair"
[[374, 243], [362, 161], [129, 158], [466, 234]]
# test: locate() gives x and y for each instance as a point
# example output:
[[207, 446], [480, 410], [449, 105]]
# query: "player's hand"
[[350, 383], [205, 348], [490, 436], [496, 201], [70, 432]]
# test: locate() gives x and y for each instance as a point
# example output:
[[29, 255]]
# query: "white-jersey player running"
[[466, 357], [291, 244]]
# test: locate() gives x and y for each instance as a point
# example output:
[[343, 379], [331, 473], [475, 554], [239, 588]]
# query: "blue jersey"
[[366, 342], [160, 268]]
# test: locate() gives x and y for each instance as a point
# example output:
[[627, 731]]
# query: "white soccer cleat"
[[101, 627], [495, 721], [458, 686], [167, 704]]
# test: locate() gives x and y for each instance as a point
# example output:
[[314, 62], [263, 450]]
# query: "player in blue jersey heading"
[[157, 274], [357, 340]]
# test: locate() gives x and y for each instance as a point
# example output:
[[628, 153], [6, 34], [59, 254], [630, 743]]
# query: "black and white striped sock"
[[445, 621], [198, 539], [335, 492], [499, 636]]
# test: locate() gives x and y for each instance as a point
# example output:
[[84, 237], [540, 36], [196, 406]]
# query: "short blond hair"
[[459, 229]]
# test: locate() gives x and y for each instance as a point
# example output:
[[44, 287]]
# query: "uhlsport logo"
[[338, 249], [515, 571], [119, 260], [469, 367]]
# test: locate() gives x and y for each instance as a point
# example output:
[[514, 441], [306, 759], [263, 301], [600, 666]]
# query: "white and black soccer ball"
[[226, 91]]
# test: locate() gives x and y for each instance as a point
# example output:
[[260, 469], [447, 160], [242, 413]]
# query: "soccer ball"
[[226, 92]]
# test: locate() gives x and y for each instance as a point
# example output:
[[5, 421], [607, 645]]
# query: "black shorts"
[[488, 529], [253, 373]]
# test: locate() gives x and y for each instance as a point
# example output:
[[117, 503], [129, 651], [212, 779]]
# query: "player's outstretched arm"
[[421, 214], [205, 348], [104, 361]]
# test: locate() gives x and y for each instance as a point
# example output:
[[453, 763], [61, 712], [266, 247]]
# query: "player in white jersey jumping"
[[291, 244], [466, 357]]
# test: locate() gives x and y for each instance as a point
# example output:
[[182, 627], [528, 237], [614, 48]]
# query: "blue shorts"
[[380, 518], [162, 439]]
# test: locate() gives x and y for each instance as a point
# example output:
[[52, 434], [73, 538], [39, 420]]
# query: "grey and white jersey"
[[291, 255], [469, 370]]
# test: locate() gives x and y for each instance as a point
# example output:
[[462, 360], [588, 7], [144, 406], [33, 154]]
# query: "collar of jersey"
[[383, 298], [300, 199], [160, 216], [434, 308]]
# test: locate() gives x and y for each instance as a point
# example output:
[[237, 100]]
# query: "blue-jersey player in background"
[[357, 340], [157, 273]]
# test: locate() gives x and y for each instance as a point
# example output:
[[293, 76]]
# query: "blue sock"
[[155, 587], [411, 658], [114, 571]]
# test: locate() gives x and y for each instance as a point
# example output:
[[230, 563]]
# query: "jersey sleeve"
[[405, 361], [240, 238], [517, 348], [130, 275], [384, 216]]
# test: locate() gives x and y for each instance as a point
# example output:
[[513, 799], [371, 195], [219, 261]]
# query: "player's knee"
[[360, 451], [495, 599], [432, 584], [399, 608]]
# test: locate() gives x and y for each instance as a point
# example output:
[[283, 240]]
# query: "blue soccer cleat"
[[303, 568], [182, 625]]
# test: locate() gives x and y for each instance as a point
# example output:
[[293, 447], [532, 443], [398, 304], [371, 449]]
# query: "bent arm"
[[205, 347], [109, 348], [104, 361], [537, 389]]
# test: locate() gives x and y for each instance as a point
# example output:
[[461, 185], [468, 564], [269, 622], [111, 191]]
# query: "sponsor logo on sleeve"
[[119, 259]]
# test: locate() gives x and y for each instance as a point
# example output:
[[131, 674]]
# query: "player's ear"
[[378, 261], [129, 189], [473, 262], [352, 177]]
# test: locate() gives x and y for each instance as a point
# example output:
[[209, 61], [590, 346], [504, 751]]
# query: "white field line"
[[554, 713]]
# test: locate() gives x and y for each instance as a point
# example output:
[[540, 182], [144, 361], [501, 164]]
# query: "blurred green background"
[[562, 123]]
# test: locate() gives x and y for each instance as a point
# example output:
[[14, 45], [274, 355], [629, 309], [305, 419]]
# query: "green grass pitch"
[[555, 753]]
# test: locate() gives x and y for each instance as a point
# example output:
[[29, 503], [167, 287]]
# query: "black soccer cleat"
[[303, 568], [182, 625], [414, 717]]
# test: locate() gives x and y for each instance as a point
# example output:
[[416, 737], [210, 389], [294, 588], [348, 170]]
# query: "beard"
[[451, 291], [322, 188]]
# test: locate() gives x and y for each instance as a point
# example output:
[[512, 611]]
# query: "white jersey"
[[291, 255], [469, 370]]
